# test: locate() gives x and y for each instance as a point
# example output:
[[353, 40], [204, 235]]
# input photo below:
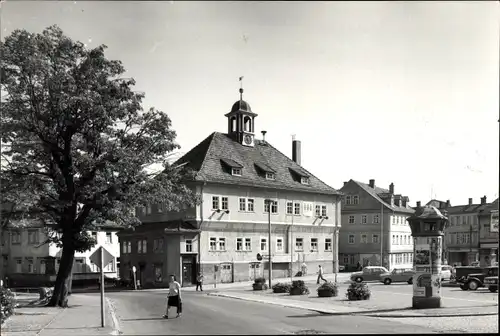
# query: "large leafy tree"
[[77, 145]]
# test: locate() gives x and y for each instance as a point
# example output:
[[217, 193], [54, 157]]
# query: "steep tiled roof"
[[465, 209], [206, 158], [378, 193]]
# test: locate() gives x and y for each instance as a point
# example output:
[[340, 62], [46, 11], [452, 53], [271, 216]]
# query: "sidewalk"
[[82, 317], [379, 305], [341, 277]]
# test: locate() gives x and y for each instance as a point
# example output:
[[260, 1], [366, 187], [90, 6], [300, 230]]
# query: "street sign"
[[106, 257], [259, 257]]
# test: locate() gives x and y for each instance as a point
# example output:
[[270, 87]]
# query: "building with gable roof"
[[235, 174], [488, 234], [374, 224]]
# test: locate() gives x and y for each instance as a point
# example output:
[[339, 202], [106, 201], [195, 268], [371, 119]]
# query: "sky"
[[402, 92]]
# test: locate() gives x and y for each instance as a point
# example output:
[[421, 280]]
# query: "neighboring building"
[[221, 237], [374, 222], [461, 235], [29, 261], [488, 234]]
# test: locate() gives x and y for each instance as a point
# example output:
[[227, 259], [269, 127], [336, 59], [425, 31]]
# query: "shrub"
[[7, 303], [358, 291], [260, 280], [282, 287], [299, 288], [260, 286], [328, 289]]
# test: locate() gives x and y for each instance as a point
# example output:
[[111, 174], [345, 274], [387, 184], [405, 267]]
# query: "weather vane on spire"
[[241, 88]]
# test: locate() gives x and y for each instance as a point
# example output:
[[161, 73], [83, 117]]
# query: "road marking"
[[116, 324]]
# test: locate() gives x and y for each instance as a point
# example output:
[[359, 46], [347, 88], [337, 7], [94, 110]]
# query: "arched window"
[[247, 122], [233, 124]]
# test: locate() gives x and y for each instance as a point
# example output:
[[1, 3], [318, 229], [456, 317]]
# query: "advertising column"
[[427, 281]]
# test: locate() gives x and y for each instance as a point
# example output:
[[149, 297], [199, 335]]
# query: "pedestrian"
[[304, 269], [358, 266], [174, 296], [199, 281], [320, 274]]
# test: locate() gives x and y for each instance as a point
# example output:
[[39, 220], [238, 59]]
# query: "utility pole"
[[269, 202]]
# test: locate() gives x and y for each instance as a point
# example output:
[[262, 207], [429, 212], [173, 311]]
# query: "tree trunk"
[[59, 296]]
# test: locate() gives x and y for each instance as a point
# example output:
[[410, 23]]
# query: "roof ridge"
[[301, 167]]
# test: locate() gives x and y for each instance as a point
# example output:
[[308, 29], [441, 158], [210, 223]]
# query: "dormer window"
[[270, 176], [304, 180], [236, 171], [300, 175]]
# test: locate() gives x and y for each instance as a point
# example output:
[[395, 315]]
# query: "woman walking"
[[174, 296]]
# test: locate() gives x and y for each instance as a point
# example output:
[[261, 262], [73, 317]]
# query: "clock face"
[[248, 139]]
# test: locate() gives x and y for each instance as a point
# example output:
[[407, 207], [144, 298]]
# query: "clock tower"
[[241, 122]]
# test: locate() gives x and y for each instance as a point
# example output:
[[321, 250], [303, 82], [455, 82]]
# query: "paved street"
[[140, 313]]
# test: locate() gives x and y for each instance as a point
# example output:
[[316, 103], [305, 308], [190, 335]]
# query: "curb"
[[358, 311], [114, 318]]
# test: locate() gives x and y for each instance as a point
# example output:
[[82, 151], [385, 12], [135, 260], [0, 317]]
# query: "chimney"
[[391, 188], [296, 153], [448, 204], [470, 201], [419, 205], [263, 135], [483, 200], [372, 183], [345, 183]]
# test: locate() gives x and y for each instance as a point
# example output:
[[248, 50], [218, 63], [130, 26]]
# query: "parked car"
[[398, 275], [491, 281], [473, 281], [369, 273], [341, 268], [446, 272]]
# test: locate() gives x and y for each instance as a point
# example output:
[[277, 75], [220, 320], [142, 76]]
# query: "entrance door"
[[187, 272], [226, 273], [254, 270]]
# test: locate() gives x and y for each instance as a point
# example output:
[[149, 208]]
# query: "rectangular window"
[[364, 219], [375, 239], [213, 244], [299, 244], [279, 245], [239, 244], [274, 207], [243, 204], [364, 239], [158, 245], [189, 245], [346, 260], [236, 171], [263, 244], [124, 247], [376, 219], [222, 244], [328, 244], [215, 203], [318, 210], [393, 240], [355, 200], [270, 176], [410, 258], [351, 239], [19, 265], [144, 246], [225, 203], [314, 244], [323, 211], [94, 236], [289, 208], [304, 180], [351, 219], [139, 246], [250, 205], [129, 247], [33, 237], [296, 208], [43, 267], [109, 238], [248, 244], [348, 200]]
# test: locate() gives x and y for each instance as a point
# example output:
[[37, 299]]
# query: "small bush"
[[260, 280], [282, 287], [260, 286], [299, 274], [358, 291], [7, 303], [299, 288], [328, 289]]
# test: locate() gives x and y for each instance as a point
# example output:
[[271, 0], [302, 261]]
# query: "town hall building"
[[244, 182]]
